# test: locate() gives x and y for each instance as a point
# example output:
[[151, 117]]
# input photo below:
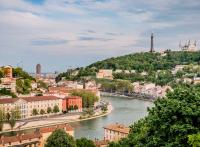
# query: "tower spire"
[[152, 43]]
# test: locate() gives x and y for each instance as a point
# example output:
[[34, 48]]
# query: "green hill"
[[148, 61]]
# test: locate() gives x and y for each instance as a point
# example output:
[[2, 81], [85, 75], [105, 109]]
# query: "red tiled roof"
[[28, 99], [11, 139], [39, 98], [74, 97], [53, 128], [118, 127], [7, 100]]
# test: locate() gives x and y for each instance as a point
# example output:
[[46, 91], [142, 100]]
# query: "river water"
[[125, 111]]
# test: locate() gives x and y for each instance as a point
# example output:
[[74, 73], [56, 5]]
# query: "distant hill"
[[148, 61], [138, 61]]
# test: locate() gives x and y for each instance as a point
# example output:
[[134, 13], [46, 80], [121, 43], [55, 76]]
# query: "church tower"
[[152, 44]]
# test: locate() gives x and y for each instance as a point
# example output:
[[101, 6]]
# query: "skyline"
[[59, 34]]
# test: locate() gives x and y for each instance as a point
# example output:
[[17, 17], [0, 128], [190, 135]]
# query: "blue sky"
[[63, 33]]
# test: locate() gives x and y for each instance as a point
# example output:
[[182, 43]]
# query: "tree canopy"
[[59, 138], [84, 142], [88, 98], [174, 121]]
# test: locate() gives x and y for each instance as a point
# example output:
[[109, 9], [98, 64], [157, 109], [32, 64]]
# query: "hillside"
[[149, 62]]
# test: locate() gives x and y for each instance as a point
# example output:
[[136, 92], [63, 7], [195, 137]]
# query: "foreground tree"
[[84, 142], [60, 138], [170, 123]]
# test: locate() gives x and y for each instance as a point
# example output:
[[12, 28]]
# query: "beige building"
[[115, 132], [104, 74], [27, 104]]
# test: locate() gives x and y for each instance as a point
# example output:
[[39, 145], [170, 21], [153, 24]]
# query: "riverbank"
[[52, 121], [133, 96]]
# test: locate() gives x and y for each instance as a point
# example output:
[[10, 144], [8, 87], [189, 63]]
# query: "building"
[[70, 84], [71, 103], [152, 44], [38, 71], [24, 140], [35, 139], [46, 131], [27, 104], [9, 84], [189, 47], [104, 74], [115, 132], [8, 71]]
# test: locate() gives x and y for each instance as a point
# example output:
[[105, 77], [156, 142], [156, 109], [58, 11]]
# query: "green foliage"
[[49, 110], [23, 86], [42, 112], [35, 112], [88, 98], [56, 109], [104, 108], [12, 123], [194, 140], [84, 142], [41, 84], [19, 73], [59, 138], [170, 122], [1, 73], [4, 91], [10, 118], [140, 62], [117, 86]]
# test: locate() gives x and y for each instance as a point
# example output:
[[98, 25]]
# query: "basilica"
[[190, 47]]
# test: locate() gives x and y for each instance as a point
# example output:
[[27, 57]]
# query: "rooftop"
[[118, 128], [28, 99]]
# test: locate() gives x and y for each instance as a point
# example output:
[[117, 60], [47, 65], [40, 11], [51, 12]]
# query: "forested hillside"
[[149, 62]]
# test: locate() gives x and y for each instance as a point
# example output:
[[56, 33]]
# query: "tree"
[[170, 122], [12, 123], [194, 140], [8, 116], [84, 142], [104, 108], [75, 107], [56, 109], [49, 110], [88, 98], [4, 91], [59, 138], [42, 111], [2, 119], [35, 112]]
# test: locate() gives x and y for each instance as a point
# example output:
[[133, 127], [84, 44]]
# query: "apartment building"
[[115, 132], [27, 104]]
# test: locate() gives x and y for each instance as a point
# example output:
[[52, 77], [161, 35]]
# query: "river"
[[125, 111]]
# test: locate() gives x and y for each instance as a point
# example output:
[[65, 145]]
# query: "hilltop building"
[[190, 47], [104, 74], [8, 71]]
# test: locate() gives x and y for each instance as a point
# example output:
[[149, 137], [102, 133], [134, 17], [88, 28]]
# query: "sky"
[[60, 34]]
